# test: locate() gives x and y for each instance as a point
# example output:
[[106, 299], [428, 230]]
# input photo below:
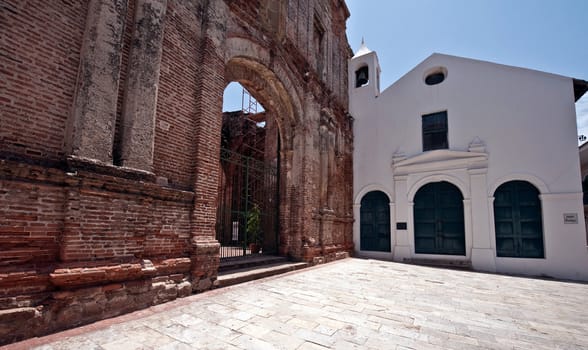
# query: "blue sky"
[[546, 35], [233, 98]]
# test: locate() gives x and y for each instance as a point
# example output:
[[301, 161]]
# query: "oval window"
[[435, 78]]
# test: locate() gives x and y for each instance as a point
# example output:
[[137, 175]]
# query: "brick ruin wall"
[[110, 127]]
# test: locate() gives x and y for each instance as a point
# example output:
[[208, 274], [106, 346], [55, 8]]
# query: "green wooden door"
[[517, 220], [375, 222], [438, 220]]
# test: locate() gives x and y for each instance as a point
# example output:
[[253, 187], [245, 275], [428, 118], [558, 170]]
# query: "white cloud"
[[582, 115]]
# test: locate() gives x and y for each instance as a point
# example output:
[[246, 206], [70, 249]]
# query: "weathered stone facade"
[[110, 128]]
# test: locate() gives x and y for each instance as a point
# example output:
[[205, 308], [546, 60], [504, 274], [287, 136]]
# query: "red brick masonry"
[[110, 129]]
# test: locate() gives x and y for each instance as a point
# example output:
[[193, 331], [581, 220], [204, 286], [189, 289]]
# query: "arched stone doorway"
[[257, 181], [297, 83]]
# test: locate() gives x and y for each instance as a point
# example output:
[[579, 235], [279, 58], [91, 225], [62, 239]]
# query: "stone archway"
[[269, 90], [315, 132]]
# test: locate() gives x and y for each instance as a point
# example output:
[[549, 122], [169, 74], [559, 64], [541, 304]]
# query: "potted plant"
[[253, 228]]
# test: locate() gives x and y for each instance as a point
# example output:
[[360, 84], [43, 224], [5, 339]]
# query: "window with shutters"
[[435, 131]]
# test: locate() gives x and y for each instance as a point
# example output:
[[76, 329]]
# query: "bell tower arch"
[[363, 76]]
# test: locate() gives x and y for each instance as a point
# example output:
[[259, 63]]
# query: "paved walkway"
[[355, 304]]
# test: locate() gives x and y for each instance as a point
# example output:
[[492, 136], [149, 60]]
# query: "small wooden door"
[[517, 220], [375, 222], [438, 220]]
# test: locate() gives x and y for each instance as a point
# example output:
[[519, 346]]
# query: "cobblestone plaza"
[[353, 304]]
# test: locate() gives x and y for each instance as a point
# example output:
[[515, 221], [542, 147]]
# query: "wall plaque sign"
[[570, 218]]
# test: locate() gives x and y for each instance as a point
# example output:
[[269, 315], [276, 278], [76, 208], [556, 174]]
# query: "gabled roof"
[[580, 86]]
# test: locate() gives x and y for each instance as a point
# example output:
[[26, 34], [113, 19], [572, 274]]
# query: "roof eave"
[[580, 88]]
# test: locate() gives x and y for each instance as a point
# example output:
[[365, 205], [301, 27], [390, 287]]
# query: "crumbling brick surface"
[[83, 238]]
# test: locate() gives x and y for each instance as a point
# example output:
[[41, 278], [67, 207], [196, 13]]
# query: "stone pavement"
[[354, 304]]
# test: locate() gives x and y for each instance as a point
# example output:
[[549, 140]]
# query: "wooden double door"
[[439, 220], [517, 221], [375, 222]]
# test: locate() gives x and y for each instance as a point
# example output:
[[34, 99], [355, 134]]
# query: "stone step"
[[454, 264], [228, 278], [250, 261]]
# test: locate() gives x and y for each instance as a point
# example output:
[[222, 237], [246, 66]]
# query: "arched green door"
[[375, 222], [517, 220], [438, 220]]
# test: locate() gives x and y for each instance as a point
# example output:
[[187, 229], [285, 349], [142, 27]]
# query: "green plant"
[[253, 225]]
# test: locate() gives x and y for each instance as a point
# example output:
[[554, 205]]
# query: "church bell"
[[361, 77]]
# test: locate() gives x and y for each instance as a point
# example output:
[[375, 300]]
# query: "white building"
[[583, 150], [469, 163]]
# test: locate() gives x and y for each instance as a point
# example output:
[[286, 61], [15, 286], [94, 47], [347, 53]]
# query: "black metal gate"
[[247, 214]]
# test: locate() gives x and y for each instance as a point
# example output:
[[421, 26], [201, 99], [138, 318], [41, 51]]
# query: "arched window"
[[517, 220], [375, 222], [362, 76], [438, 220]]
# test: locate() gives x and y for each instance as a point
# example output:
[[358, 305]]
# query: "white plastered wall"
[[525, 123]]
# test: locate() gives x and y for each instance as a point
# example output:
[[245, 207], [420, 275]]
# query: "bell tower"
[[364, 77]]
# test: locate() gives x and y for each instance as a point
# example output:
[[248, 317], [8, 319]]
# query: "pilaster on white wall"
[[404, 249], [356, 226], [401, 198], [483, 253], [480, 217], [393, 233], [467, 223]]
